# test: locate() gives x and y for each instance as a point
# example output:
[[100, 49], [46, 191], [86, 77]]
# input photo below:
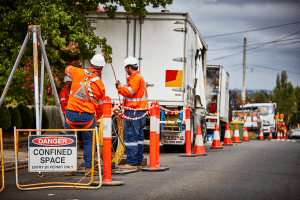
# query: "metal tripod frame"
[[35, 31]]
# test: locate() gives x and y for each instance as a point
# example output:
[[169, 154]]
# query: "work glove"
[[117, 83]]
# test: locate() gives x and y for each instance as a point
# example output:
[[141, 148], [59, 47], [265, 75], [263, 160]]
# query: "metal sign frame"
[[43, 185], [1, 160]]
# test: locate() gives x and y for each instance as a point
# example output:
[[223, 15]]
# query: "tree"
[[295, 119], [70, 39], [260, 97], [284, 96]]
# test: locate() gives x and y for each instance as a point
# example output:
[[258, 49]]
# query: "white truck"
[[267, 113], [217, 95], [172, 60]]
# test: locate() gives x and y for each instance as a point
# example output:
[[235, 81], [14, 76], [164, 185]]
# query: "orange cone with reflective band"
[[270, 136], [216, 144], [261, 134], [227, 137], [199, 147], [278, 135], [284, 135], [245, 135], [236, 136]]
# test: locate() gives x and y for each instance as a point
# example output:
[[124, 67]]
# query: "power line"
[[259, 66], [251, 30], [250, 45], [263, 44]]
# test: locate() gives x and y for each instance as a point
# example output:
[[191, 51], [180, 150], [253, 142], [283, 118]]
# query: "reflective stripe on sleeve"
[[130, 90]]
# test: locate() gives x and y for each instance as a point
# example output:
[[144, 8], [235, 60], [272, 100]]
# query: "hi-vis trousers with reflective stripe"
[[83, 120], [134, 137]]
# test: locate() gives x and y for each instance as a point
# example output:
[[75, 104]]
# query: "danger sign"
[[48, 153]]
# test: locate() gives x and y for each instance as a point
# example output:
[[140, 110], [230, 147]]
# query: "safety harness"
[[84, 92]]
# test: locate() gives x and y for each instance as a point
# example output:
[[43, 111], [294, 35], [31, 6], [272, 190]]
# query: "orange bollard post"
[[157, 133], [187, 134], [107, 145], [153, 141], [188, 131]]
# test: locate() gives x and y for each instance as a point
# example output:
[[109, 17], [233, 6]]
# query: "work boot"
[[88, 172], [128, 167], [70, 174]]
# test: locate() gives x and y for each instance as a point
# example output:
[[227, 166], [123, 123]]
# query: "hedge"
[[16, 120], [5, 118], [26, 115]]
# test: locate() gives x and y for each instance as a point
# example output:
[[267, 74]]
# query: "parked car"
[[294, 133]]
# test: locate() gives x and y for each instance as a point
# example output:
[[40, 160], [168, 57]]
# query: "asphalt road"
[[252, 170]]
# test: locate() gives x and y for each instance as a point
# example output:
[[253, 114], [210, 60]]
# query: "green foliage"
[[16, 120], [295, 119], [26, 115], [261, 97], [45, 120], [70, 39], [284, 96], [5, 118]]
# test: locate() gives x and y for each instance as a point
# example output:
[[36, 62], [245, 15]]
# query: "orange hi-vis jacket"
[[87, 91], [63, 98], [135, 94]]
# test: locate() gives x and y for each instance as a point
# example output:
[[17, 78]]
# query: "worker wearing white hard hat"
[[136, 103], [85, 104]]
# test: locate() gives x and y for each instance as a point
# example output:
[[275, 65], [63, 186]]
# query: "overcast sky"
[[267, 55]]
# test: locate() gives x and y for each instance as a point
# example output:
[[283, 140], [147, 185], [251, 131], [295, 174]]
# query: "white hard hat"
[[67, 78], [130, 61], [98, 61]]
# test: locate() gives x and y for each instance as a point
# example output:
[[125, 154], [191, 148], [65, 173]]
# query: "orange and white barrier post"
[[107, 145], [199, 147], [227, 137], [188, 131], [157, 134], [187, 134], [261, 134], [236, 135], [270, 136], [153, 141], [245, 135], [216, 144]]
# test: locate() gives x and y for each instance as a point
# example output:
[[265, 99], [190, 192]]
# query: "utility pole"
[[244, 75]]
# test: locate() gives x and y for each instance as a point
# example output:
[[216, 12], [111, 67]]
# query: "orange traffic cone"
[[270, 136], [278, 135], [236, 136], [245, 135], [216, 144], [261, 134], [199, 147], [227, 138], [284, 134]]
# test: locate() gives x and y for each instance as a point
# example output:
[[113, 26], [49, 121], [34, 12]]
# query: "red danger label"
[[53, 141]]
